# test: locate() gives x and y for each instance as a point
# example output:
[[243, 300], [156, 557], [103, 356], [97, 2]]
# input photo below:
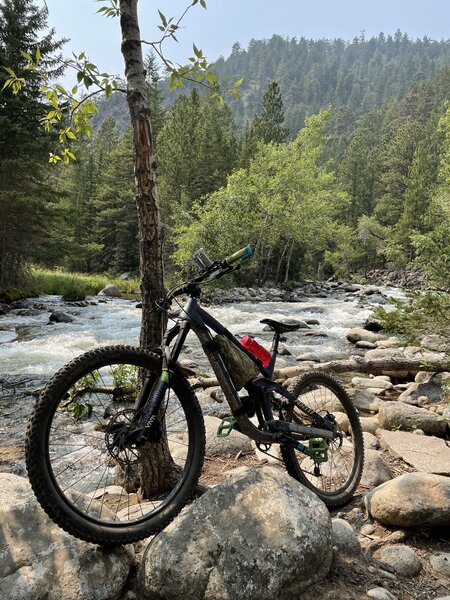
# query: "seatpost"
[[274, 351]]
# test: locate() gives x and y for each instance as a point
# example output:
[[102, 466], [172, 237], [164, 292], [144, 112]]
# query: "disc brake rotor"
[[116, 438]]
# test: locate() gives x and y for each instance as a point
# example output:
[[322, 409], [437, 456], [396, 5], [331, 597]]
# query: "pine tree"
[[115, 225], [155, 94], [24, 191], [196, 152], [269, 125]]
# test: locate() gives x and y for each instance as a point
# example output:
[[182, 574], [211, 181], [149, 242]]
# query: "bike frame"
[[194, 317]]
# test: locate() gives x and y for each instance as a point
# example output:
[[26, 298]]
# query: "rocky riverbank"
[[256, 533]]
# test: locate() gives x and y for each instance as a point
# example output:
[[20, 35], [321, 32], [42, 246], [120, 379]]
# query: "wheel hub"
[[117, 438]]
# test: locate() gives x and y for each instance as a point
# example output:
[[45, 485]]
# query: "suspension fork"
[[151, 402]]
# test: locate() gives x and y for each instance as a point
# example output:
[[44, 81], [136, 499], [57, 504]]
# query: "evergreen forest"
[[335, 161]]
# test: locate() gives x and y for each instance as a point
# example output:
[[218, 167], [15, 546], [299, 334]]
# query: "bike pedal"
[[226, 426], [318, 450]]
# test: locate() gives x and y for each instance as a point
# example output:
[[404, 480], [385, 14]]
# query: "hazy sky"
[[227, 21]]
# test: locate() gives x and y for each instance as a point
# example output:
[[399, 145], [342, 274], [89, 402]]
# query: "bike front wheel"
[[85, 473], [334, 479]]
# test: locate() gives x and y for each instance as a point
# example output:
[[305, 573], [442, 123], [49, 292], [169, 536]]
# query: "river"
[[35, 348], [32, 349]]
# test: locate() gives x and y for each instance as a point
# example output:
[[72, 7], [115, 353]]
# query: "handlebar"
[[242, 254], [210, 271]]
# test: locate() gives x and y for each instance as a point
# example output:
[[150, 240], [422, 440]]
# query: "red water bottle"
[[256, 349]]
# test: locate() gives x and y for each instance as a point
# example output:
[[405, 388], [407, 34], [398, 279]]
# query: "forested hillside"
[[358, 75], [363, 181]]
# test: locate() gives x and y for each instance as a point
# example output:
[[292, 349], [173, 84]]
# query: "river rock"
[[369, 424], [440, 563], [400, 416], [40, 560], [418, 353], [365, 345], [432, 387], [372, 323], [358, 334], [391, 342], [344, 538], [308, 356], [60, 317], [342, 421], [380, 593], [224, 446], [372, 383], [410, 500], [255, 537], [375, 469], [284, 351], [110, 290], [402, 559], [362, 398], [370, 441], [384, 353], [427, 454]]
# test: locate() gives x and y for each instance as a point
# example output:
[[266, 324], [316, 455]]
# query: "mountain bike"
[[116, 441]]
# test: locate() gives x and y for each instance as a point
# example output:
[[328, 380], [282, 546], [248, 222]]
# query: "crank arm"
[[292, 428]]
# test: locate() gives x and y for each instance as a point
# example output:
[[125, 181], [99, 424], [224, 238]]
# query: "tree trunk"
[[156, 465], [150, 230], [288, 263]]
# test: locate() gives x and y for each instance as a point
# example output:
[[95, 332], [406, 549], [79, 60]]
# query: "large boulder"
[[411, 500], [110, 290], [255, 537], [404, 417], [433, 387], [39, 560], [427, 454]]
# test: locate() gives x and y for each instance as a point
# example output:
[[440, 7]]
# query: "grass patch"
[[76, 286]]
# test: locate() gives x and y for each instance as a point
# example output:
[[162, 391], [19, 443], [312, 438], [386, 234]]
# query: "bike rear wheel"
[[86, 475], [334, 480]]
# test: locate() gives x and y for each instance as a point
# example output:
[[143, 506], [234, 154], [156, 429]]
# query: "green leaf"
[[239, 82], [7, 83], [211, 77], [26, 55], [203, 3], [198, 53], [10, 71], [61, 89], [163, 19], [38, 54]]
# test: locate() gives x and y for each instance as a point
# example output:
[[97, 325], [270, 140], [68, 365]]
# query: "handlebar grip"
[[241, 254]]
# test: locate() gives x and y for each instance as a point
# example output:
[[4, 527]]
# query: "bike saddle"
[[281, 327]]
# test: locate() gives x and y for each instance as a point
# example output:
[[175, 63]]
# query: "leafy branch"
[[70, 111]]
